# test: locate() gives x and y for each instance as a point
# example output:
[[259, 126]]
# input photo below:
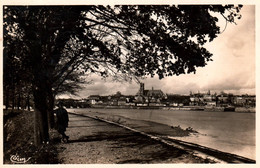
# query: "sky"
[[232, 69]]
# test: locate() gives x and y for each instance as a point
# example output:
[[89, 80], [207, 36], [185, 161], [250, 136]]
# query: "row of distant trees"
[[47, 49], [18, 77], [18, 88]]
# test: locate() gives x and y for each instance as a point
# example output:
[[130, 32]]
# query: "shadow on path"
[[129, 140], [78, 126]]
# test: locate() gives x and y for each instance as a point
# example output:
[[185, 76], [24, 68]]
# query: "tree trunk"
[[6, 94], [13, 98], [50, 107], [41, 129], [37, 128], [19, 99], [28, 101], [39, 83], [40, 95]]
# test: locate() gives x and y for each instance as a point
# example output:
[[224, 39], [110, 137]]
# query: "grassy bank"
[[18, 140]]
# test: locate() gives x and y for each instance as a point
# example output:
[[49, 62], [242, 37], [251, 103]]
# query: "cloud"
[[233, 84], [94, 89], [236, 43], [107, 87]]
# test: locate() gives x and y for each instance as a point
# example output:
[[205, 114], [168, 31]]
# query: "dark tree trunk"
[[40, 88], [39, 83], [19, 99], [13, 90], [40, 95], [41, 119], [13, 97], [6, 94], [50, 107], [37, 128], [28, 102]]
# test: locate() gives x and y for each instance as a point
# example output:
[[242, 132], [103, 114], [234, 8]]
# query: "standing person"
[[62, 121]]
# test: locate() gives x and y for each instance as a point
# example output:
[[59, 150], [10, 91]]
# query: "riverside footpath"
[[96, 140]]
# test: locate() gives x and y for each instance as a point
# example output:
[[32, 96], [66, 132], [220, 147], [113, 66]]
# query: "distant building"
[[196, 99], [211, 103], [94, 99], [177, 100], [150, 93], [122, 101], [222, 99], [201, 99], [245, 100], [149, 96]]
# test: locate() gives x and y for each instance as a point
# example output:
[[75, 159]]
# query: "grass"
[[18, 139]]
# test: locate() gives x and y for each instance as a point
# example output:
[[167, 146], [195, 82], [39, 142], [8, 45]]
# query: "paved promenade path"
[[93, 141]]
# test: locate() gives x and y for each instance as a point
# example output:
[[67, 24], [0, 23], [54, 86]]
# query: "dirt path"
[[93, 141]]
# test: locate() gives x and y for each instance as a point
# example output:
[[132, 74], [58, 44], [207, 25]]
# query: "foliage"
[[55, 45], [133, 40]]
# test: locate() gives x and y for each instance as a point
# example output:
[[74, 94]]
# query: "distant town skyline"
[[232, 69]]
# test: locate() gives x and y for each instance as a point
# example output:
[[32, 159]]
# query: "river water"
[[226, 131]]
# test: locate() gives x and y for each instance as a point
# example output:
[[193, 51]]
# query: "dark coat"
[[62, 119]]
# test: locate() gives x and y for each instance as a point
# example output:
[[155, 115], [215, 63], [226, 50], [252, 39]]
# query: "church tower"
[[141, 91]]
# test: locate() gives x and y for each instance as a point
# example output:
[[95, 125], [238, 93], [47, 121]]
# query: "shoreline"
[[184, 108]]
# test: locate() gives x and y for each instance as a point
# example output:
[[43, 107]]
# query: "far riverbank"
[[182, 108]]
